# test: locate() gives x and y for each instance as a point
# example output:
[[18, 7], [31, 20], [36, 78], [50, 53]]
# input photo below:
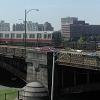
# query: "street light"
[[55, 53], [26, 12]]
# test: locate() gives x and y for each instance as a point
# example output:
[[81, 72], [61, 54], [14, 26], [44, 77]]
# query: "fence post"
[[18, 94], [5, 96]]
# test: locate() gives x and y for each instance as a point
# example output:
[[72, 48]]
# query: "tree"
[[82, 43], [81, 40], [56, 39]]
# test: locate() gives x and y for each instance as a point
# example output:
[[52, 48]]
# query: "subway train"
[[30, 36]]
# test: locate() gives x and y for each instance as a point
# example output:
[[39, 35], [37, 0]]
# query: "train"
[[30, 36]]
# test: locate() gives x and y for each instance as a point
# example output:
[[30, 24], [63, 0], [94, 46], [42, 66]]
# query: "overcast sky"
[[50, 10]]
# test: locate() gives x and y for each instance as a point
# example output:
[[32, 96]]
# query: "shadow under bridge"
[[13, 71]]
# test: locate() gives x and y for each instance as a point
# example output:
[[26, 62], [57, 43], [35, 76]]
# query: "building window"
[[6, 35], [18, 35], [1, 35], [32, 36]]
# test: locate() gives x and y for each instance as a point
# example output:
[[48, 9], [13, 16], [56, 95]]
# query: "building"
[[35, 26], [72, 29], [40, 27], [65, 26], [48, 27], [4, 26], [30, 26], [18, 27]]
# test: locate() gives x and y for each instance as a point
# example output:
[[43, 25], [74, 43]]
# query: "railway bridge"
[[75, 71], [19, 65]]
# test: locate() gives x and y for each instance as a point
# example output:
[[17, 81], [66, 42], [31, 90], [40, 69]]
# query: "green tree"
[[82, 40], [81, 43]]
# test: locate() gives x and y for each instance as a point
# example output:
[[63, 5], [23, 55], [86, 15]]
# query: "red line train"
[[31, 36]]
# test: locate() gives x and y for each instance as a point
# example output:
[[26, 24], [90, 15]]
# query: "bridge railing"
[[78, 59], [12, 51]]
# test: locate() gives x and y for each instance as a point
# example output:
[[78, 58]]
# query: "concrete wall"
[[36, 66]]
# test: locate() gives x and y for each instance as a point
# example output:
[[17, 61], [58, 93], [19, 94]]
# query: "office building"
[[30, 26], [65, 26], [18, 27], [72, 29], [48, 27], [40, 27], [4, 26]]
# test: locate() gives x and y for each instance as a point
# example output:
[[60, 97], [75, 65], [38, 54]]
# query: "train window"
[[12, 35], [45, 35], [39, 35], [24, 35], [1, 35], [49, 36], [18, 35], [6, 35], [32, 36]]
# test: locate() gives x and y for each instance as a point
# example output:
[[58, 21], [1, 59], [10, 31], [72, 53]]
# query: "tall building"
[[35, 26], [69, 20], [72, 29], [30, 26], [48, 27], [65, 26], [40, 27], [18, 27], [4, 26]]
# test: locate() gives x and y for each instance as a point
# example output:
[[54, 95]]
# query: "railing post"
[[5, 96], [18, 94]]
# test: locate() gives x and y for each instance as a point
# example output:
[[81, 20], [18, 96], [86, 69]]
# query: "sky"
[[50, 10]]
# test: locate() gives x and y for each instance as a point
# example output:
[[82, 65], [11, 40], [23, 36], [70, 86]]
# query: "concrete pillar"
[[34, 91], [31, 73]]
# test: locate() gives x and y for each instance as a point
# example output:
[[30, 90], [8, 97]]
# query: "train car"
[[31, 37]]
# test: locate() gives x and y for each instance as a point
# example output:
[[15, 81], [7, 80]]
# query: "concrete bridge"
[[74, 71], [19, 68]]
